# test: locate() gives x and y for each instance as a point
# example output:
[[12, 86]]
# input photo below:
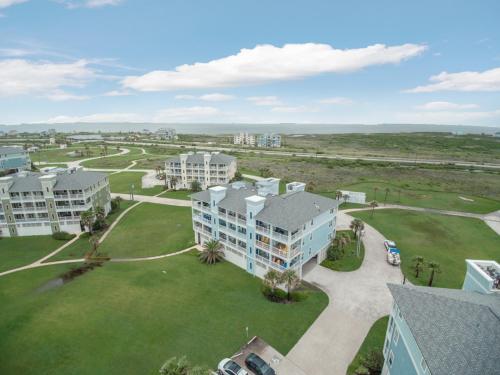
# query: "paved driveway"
[[357, 300]]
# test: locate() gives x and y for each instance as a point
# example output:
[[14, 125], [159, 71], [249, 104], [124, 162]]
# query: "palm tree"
[[181, 366], [387, 191], [375, 189], [357, 227], [118, 201], [87, 219], [310, 186], [290, 278], [373, 205], [338, 195], [418, 264], [100, 213], [195, 186], [173, 182], [272, 279], [435, 268], [212, 252]]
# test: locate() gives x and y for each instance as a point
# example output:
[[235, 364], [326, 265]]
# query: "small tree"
[[357, 227], [173, 182], [373, 205], [374, 361], [290, 279], [195, 186], [399, 195], [118, 200], [265, 172], [87, 218], [418, 264], [272, 279], [375, 189], [387, 191], [212, 252], [310, 186], [435, 268], [181, 366], [237, 176], [338, 195]]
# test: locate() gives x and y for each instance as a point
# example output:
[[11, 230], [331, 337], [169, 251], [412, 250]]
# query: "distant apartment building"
[[244, 138], [166, 134], [207, 168], [269, 140], [40, 204], [262, 230], [85, 137], [441, 331], [14, 159]]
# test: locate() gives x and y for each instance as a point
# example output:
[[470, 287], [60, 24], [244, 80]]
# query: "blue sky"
[[260, 61]]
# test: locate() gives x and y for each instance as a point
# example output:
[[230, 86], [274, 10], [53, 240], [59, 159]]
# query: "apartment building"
[[166, 134], [269, 140], [14, 159], [446, 331], [40, 204], [244, 138], [261, 229], [208, 168]]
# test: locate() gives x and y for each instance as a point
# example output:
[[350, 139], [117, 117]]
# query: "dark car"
[[257, 365]]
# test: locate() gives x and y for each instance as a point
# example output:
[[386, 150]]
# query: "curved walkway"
[[77, 163], [155, 199], [357, 300]]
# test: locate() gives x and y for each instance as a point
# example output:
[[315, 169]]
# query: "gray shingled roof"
[[64, 181], [198, 159], [458, 332], [5, 150], [288, 211]]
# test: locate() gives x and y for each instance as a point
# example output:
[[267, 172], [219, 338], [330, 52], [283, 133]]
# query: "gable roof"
[[197, 158], [457, 331], [5, 150], [64, 181]]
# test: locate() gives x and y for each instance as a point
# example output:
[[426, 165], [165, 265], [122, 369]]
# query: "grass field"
[[128, 318], [349, 262], [21, 251], [82, 246], [448, 240], [121, 182], [177, 194], [374, 340], [55, 155], [115, 162], [150, 229], [423, 198]]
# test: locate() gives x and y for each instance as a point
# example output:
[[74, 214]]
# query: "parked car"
[[229, 367], [389, 244], [258, 366]]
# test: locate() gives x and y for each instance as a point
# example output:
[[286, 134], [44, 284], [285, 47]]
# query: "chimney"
[[5, 184], [255, 204], [217, 193], [295, 186], [48, 182], [268, 186]]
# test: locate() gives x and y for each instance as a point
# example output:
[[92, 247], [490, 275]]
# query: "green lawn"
[[128, 318], [55, 155], [115, 162], [177, 194], [21, 251], [82, 246], [448, 240], [374, 340], [349, 262], [121, 182], [423, 198], [150, 229]]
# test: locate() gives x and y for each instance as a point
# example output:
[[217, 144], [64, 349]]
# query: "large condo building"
[[261, 229], [14, 159], [269, 140], [244, 138], [168, 134], [208, 168], [441, 331], [38, 204]]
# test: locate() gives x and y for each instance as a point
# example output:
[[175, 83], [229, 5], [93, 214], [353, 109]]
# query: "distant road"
[[320, 156]]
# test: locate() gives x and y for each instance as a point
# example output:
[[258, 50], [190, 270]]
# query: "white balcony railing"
[[262, 245]]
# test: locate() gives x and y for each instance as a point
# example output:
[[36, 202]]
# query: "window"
[[400, 315], [396, 336], [251, 215], [391, 358]]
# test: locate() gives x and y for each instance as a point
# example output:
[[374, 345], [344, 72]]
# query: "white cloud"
[[185, 113], [447, 117], [336, 101], [444, 106], [8, 3], [60, 95], [72, 4], [97, 117], [265, 100], [117, 93], [291, 109], [267, 63], [489, 80], [19, 77], [215, 97]]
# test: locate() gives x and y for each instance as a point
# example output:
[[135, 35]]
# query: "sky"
[[280, 61]]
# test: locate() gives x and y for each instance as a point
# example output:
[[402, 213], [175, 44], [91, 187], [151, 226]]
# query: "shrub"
[[99, 225], [62, 236]]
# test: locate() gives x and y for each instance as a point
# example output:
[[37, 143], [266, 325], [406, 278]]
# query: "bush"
[[62, 236], [279, 296], [99, 225]]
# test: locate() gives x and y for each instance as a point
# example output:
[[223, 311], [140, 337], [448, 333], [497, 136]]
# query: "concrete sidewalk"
[[154, 199]]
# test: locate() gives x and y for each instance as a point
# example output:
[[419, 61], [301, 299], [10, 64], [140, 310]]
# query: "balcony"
[[280, 236], [262, 229], [262, 245]]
